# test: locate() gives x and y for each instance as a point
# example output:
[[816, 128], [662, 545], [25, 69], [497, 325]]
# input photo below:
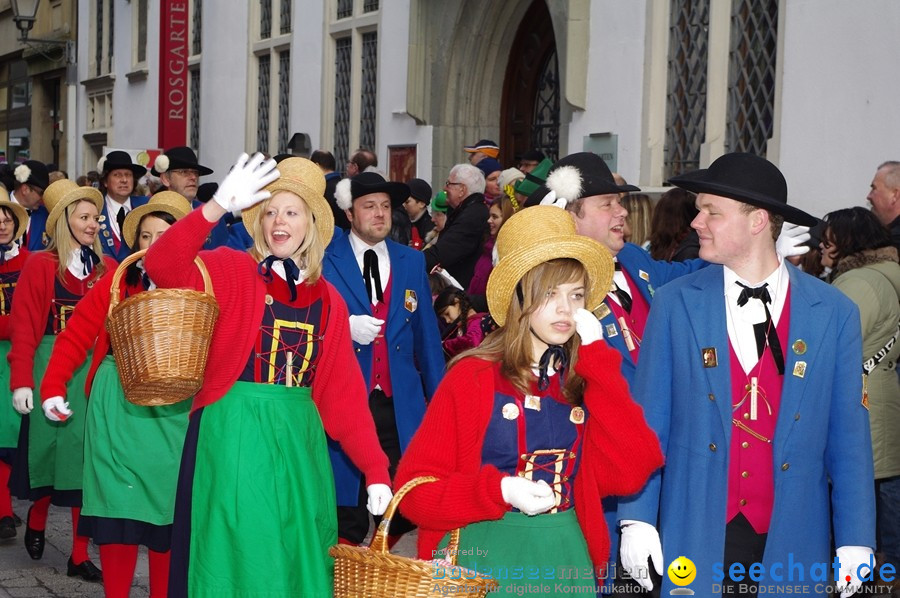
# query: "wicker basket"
[[374, 572], [160, 339]]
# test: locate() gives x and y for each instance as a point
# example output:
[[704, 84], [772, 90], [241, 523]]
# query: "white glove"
[[551, 200], [56, 409], [379, 497], [851, 558], [243, 186], [529, 497], [790, 241], [587, 326], [23, 400], [640, 541], [364, 329]]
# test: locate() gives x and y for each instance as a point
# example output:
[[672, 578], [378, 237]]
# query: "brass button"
[[712, 397], [743, 502], [712, 447], [746, 416], [398, 347], [785, 467], [796, 417], [358, 349], [745, 474], [745, 444]]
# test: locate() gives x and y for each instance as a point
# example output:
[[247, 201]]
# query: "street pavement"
[[21, 577]]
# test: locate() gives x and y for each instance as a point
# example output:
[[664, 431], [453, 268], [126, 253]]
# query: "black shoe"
[[7, 528], [34, 541], [87, 570]]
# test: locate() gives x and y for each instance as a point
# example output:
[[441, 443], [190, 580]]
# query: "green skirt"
[[10, 420], [132, 453], [544, 555], [56, 449], [263, 510]]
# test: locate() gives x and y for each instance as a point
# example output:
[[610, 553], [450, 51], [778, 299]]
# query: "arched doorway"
[[529, 107]]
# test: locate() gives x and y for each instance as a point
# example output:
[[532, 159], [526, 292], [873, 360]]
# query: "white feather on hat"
[[161, 164], [566, 182], [343, 195], [100, 163], [22, 173]]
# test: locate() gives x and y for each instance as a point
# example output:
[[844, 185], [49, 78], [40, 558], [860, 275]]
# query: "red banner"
[[173, 73]]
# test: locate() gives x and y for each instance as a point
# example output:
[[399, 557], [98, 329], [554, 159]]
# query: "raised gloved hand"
[[640, 541], [56, 409], [379, 497], [551, 200], [243, 185], [529, 497], [23, 400], [364, 329], [851, 558], [587, 326], [790, 241]]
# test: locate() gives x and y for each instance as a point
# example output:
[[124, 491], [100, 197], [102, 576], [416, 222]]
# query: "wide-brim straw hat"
[[305, 180], [537, 235], [63, 193], [20, 212], [170, 202]]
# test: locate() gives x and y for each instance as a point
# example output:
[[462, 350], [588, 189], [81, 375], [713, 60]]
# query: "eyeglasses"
[[185, 172], [7, 221], [448, 183]]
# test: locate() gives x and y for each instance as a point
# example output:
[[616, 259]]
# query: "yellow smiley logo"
[[682, 571]]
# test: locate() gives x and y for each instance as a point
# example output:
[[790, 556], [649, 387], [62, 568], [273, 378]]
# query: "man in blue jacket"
[[118, 176], [749, 373], [394, 330]]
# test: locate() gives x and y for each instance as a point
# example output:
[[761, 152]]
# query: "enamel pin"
[[644, 276], [800, 369], [710, 359], [410, 301], [533, 402], [577, 415], [611, 330], [799, 346], [602, 311], [510, 411]]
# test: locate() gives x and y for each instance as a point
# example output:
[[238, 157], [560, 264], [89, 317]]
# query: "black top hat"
[[419, 190], [371, 182], [583, 174], [35, 173], [746, 178], [177, 158], [119, 160]]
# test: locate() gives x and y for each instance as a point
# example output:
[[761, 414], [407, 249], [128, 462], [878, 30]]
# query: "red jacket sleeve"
[[34, 293], [340, 395], [170, 263]]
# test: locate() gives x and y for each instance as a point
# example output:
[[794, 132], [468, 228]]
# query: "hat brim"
[[176, 164], [80, 193], [133, 219], [698, 182], [21, 215], [596, 259], [136, 169], [318, 205], [398, 192]]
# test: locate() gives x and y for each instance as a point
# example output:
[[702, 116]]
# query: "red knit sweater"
[[31, 307], [338, 389], [13, 265], [618, 454]]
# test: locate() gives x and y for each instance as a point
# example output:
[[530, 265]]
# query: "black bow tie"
[[120, 218], [291, 272], [747, 293], [553, 353], [763, 331], [88, 259], [371, 274], [3, 250]]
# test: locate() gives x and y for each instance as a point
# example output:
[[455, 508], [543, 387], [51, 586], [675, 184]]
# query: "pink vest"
[[751, 482], [381, 371], [636, 320]]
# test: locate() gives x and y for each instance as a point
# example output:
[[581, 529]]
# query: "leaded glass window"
[[262, 104], [284, 100], [285, 19], [344, 8], [342, 101], [196, 42], [751, 76], [265, 19], [370, 6], [195, 109], [367, 117], [686, 87], [545, 132]]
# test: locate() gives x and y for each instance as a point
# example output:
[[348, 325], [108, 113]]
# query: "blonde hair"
[[511, 345], [308, 256], [640, 216], [63, 242]]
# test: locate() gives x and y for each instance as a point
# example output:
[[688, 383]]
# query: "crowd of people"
[[597, 380]]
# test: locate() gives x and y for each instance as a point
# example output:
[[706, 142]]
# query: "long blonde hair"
[[640, 216], [63, 242], [511, 345], [308, 256]]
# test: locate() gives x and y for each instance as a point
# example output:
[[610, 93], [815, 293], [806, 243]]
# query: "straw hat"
[[20, 212], [169, 202], [304, 179], [537, 235], [63, 193]]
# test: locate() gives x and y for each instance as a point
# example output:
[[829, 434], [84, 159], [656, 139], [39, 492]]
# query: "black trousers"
[[353, 522], [742, 545]]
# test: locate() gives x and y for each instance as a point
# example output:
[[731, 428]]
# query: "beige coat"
[[872, 280]]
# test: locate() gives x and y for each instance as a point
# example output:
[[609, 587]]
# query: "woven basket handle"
[[379, 541], [117, 277]]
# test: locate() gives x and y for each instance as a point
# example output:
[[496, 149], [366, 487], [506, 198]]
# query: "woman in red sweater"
[[530, 430], [49, 459], [13, 224], [131, 452], [255, 506]]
